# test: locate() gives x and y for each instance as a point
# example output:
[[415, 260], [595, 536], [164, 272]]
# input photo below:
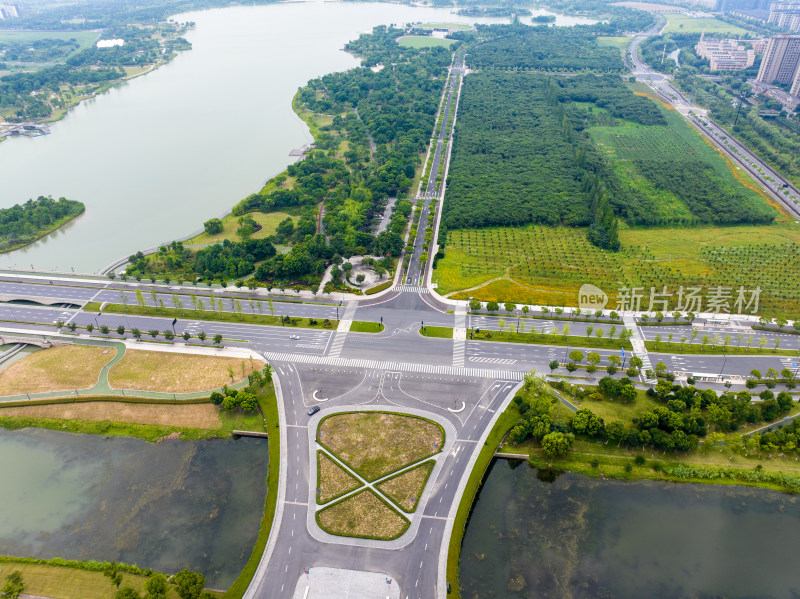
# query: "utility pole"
[[738, 110]]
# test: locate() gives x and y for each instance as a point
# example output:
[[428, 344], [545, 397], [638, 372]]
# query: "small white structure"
[[110, 43]]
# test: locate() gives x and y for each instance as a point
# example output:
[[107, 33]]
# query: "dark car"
[[313, 410]]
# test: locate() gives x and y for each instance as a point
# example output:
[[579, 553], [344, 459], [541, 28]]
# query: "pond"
[[545, 534], [154, 158], [167, 506]]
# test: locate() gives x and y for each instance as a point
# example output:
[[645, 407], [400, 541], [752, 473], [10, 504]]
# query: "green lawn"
[[681, 23], [461, 26], [268, 221], [616, 42], [697, 347], [423, 41]]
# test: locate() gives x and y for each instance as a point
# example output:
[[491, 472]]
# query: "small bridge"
[[43, 342]]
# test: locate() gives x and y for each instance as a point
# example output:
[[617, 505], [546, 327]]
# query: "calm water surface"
[[579, 537], [156, 157], [166, 506]]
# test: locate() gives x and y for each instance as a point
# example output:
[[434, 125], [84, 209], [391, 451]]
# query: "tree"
[[120, 330], [510, 307], [202, 336], [756, 374], [576, 356], [492, 306], [89, 328], [14, 585], [137, 334], [586, 422], [156, 587], [72, 326], [217, 338], [213, 226], [169, 335], [127, 593], [474, 305], [593, 358], [59, 324], [104, 329], [186, 336], [636, 362], [557, 444], [153, 333], [189, 584], [553, 365], [113, 574], [247, 400]]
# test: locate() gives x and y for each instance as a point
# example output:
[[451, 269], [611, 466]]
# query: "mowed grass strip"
[[178, 373], [56, 369], [405, 489], [332, 480], [364, 515], [375, 444], [59, 582], [201, 416]]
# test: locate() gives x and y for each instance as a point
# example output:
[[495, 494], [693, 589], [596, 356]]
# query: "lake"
[[156, 157], [166, 506], [540, 534]]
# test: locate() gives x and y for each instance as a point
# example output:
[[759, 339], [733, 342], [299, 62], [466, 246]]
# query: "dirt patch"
[[56, 369], [178, 373], [205, 416], [406, 489], [332, 480], [362, 515], [375, 444]]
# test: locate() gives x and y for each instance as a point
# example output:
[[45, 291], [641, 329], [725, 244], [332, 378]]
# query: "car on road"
[[295, 337], [313, 410]]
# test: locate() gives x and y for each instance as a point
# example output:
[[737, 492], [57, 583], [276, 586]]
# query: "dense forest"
[[542, 48], [24, 223], [523, 154], [43, 50]]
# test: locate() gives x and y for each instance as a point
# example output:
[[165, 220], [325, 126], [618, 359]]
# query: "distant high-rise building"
[[8, 11], [785, 15], [781, 59], [795, 91]]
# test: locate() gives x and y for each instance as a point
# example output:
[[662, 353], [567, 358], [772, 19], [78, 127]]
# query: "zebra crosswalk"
[[412, 289], [486, 373], [492, 360]]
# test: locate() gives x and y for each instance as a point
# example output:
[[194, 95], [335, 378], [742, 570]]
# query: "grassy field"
[[621, 43], [681, 23], [461, 26], [423, 41], [84, 38], [443, 332], [332, 480], [362, 515], [374, 444], [201, 416], [59, 582], [269, 223], [178, 373], [405, 489], [55, 369]]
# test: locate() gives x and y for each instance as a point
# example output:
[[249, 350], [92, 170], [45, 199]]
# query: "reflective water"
[[571, 536], [156, 157], [166, 506]]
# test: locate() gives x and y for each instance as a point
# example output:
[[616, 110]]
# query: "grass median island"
[[55, 369], [332, 480], [374, 444], [217, 315], [363, 515], [360, 326], [663, 347], [541, 338], [406, 488], [178, 373], [441, 332]]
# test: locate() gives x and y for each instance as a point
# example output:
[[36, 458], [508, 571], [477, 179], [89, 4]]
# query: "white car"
[[295, 337]]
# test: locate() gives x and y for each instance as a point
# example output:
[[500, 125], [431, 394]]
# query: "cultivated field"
[[178, 373], [362, 515], [547, 265], [375, 444], [55, 369]]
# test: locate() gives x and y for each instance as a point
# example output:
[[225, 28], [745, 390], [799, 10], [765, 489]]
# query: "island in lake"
[[22, 224]]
